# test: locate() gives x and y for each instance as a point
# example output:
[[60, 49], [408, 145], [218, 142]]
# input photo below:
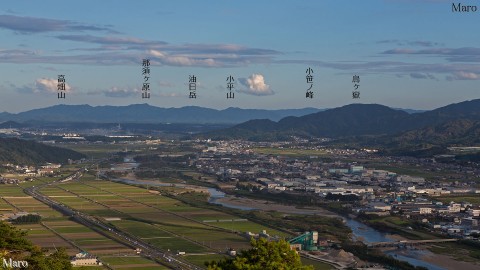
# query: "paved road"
[[148, 250]]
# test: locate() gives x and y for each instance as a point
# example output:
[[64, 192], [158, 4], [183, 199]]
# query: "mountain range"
[[147, 114], [393, 130], [364, 120], [144, 113]]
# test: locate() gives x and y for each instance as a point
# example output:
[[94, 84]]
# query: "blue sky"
[[410, 54]]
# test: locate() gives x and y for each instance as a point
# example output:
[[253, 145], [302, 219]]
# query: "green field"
[[101, 150], [31, 205], [11, 191], [412, 170], [316, 264], [73, 229], [41, 236], [400, 226], [135, 262], [474, 199], [86, 238], [158, 237], [5, 207], [159, 220], [164, 222], [249, 226]]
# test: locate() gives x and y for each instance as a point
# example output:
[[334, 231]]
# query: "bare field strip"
[[31, 205], [5, 207], [183, 213], [87, 239], [42, 237], [11, 191], [217, 240], [154, 233], [131, 262], [164, 222]]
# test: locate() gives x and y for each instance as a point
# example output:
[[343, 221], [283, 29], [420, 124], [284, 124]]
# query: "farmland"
[[164, 222], [56, 230]]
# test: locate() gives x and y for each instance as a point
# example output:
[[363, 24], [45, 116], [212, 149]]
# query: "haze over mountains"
[[349, 120], [144, 113], [363, 125]]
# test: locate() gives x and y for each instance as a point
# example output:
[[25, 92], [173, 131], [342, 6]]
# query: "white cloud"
[[129, 92], [467, 75], [170, 94], [122, 92], [42, 86], [156, 53], [256, 85], [461, 75], [49, 86]]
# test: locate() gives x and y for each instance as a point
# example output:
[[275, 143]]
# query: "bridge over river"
[[409, 243]]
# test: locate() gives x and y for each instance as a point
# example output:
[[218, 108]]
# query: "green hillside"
[[13, 150]]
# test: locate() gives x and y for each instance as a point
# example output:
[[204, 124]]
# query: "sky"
[[407, 54]]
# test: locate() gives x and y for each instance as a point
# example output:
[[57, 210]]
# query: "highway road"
[[148, 250]]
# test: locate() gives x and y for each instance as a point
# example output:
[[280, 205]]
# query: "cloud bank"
[[29, 25]]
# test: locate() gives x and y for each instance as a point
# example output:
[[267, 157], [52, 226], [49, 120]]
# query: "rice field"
[[164, 222]]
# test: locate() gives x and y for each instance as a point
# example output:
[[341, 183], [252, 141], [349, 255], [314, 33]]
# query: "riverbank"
[[271, 206], [448, 262], [420, 257]]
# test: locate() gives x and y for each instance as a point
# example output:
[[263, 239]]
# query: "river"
[[216, 194], [368, 235], [360, 231]]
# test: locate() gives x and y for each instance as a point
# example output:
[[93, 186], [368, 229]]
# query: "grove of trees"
[[264, 255]]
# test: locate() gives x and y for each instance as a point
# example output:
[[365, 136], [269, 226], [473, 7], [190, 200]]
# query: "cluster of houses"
[[457, 219], [377, 191], [7, 180], [27, 172]]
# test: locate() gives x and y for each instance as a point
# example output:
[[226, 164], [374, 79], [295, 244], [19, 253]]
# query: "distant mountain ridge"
[[351, 120], [410, 111], [144, 113]]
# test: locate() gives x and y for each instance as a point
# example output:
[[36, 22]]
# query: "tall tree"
[[14, 245], [264, 255]]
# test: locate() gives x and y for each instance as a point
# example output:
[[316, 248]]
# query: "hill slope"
[[352, 120], [18, 151]]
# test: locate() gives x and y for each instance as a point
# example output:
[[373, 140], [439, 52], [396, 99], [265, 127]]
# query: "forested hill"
[[349, 120], [13, 150]]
